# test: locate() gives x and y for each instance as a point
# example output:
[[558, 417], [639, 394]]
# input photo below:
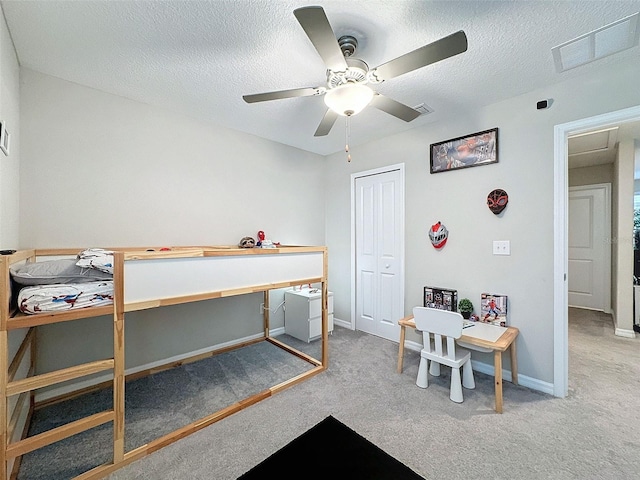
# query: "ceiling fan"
[[347, 91]]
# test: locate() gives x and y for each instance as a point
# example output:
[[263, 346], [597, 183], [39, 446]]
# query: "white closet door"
[[378, 232]]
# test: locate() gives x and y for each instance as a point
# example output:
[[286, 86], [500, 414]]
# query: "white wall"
[[10, 116], [9, 197], [101, 170], [622, 266], [458, 199]]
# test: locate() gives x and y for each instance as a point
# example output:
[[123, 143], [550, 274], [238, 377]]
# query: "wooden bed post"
[[4, 363], [118, 357], [265, 313], [325, 309], [32, 368]]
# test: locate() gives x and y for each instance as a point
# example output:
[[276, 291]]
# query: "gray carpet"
[[594, 433], [157, 405]]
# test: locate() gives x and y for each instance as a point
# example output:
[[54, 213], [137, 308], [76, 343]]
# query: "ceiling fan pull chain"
[[347, 134]]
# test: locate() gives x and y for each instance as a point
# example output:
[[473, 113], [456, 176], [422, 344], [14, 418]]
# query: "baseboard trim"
[[623, 332], [342, 323]]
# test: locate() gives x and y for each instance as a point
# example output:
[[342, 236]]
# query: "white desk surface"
[[483, 331]]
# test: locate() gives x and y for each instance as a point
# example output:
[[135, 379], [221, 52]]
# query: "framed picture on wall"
[[4, 139], [473, 150]]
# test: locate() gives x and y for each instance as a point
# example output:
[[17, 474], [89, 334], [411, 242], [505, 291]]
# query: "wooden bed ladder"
[[59, 433]]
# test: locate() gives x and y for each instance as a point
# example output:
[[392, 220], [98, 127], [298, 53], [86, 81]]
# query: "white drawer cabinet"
[[303, 313]]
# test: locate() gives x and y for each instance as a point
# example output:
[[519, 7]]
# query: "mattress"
[[64, 296]]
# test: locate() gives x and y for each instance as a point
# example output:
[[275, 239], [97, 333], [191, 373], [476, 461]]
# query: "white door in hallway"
[[379, 231], [589, 282]]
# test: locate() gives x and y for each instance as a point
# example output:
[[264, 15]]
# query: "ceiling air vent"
[[600, 43]]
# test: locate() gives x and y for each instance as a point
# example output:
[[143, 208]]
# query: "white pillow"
[[96, 258], [55, 271]]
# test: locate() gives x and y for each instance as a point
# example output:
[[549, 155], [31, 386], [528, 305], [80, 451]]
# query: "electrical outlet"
[[501, 247]]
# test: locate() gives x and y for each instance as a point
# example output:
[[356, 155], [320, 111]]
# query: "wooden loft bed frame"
[[144, 279]]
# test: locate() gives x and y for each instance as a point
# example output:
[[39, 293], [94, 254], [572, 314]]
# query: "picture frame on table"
[[473, 150], [440, 298], [493, 309]]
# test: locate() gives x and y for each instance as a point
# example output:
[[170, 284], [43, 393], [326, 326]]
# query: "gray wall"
[[9, 185], [10, 115], [622, 222], [9, 165], [591, 175], [525, 170], [98, 169]]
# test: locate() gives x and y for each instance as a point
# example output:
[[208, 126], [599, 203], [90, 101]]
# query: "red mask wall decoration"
[[497, 200], [438, 235]]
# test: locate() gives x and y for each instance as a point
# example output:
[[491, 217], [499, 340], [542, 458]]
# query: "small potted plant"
[[465, 307]]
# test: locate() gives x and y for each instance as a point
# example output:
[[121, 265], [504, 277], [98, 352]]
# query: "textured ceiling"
[[200, 57]]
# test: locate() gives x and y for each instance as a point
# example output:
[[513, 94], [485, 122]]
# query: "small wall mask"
[[438, 235], [497, 200]]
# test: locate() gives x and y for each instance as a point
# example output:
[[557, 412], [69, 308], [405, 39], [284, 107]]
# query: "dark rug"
[[351, 456]]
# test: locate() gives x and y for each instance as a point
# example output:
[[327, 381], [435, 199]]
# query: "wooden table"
[[506, 341]]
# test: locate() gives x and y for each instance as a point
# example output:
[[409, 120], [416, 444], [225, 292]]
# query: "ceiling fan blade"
[[294, 92], [392, 107], [327, 122], [434, 52], [315, 24]]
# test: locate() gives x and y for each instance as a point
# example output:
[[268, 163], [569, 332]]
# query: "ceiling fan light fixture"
[[348, 99], [347, 91]]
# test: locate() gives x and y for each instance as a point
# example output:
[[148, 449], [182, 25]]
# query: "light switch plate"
[[501, 247]]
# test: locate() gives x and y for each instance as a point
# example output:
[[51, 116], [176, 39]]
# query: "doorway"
[[560, 268], [378, 251]]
